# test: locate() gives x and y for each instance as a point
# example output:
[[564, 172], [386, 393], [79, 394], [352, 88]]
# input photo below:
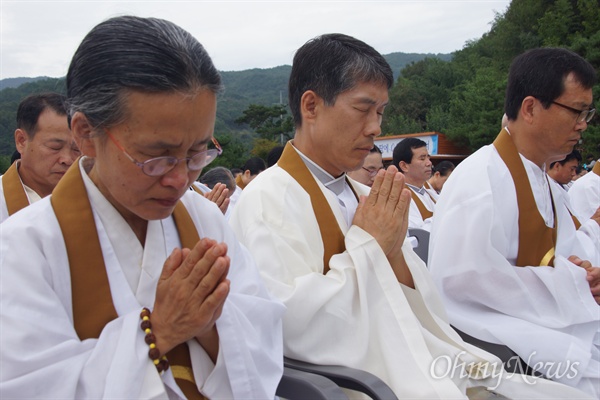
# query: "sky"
[[38, 38]]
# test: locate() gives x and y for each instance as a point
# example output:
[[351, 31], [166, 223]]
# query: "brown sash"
[[331, 234], [240, 182], [195, 189], [596, 168], [536, 241], [14, 192], [92, 301], [425, 213]]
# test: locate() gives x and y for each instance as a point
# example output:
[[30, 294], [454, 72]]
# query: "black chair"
[[512, 362], [422, 237], [348, 378], [300, 385]]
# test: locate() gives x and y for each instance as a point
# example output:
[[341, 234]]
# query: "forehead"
[[575, 93], [51, 123], [419, 151], [367, 92]]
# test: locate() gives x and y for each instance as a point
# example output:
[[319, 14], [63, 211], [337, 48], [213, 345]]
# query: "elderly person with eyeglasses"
[[124, 283]]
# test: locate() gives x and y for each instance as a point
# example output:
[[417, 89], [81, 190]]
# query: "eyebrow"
[[164, 145], [368, 100]]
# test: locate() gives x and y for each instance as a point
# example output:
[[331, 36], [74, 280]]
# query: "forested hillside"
[[461, 95], [242, 88], [464, 98]]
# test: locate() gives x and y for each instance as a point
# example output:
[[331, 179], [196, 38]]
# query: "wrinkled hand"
[[384, 214], [596, 216], [190, 295], [593, 275], [220, 196]]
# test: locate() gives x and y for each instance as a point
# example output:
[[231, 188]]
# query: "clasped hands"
[[384, 215], [190, 295], [593, 275]]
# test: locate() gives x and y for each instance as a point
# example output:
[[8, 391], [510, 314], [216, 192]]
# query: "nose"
[[178, 177], [66, 156], [374, 126]]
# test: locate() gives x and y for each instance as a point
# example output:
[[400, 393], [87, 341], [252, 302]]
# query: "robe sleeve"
[[485, 294], [42, 355], [250, 333]]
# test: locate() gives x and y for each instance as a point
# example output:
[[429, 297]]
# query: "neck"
[[41, 189], [416, 183], [308, 150], [527, 147]]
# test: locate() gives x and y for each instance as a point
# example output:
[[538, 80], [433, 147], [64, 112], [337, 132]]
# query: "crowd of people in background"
[[131, 270]]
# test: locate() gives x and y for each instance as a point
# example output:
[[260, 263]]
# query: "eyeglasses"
[[584, 115], [372, 172], [161, 165]]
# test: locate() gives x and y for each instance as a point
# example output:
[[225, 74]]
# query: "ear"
[[529, 108], [82, 134], [309, 104], [403, 166], [21, 138]]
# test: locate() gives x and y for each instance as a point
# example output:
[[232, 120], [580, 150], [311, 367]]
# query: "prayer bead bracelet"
[[161, 363]]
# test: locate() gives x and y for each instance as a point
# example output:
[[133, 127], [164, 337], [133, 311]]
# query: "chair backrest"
[[422, 237], [300, 385], [348, 378]]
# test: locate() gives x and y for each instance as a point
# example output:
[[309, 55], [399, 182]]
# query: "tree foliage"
[[464, 97]]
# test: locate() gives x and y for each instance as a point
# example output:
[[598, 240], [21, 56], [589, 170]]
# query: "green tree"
[[262, 147], [268, 122]]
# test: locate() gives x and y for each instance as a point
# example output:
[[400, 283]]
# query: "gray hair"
[[128, 53]]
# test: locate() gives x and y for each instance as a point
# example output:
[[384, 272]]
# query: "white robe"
[[585, 195], [41, 355], [357, 314], [546, 315], [415, 219]]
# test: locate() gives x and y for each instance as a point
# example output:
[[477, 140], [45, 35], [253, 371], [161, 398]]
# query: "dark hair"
[[235, 171], [218, 175], [375, 149], [255, 165], [332, 64], [541, 73], [274, 155], [32, 106], [404, 150], [574, 155], [444, 168], [124, 54]]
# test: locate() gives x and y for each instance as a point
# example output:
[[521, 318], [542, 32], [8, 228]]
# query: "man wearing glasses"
[[367, 172], [513, 265]]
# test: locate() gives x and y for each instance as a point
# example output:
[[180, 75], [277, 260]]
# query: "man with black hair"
[[563, 171], [411, 157], [507, 255], [46, 147], [335, 252]]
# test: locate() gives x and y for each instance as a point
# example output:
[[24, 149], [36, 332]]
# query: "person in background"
[[368, 170], [124, 283], [441, 173], [273, 155], [46, 150], [562, 172], [218, 181], [411, 157], [251, 169], [508, 257]]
